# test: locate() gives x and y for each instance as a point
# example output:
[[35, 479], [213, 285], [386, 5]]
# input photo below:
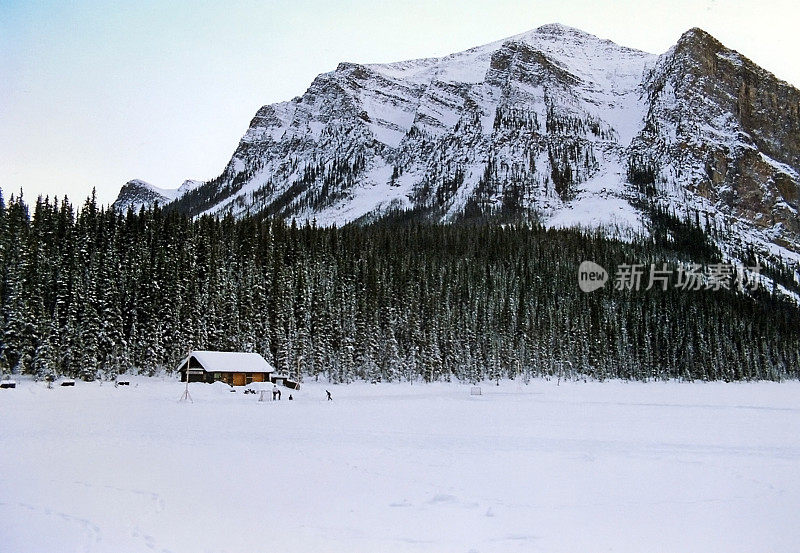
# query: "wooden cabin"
[[234, 368]]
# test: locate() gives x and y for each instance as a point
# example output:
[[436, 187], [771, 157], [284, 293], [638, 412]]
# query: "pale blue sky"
[[96, 93]]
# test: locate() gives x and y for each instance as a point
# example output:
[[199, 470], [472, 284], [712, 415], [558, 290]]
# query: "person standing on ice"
[[329, 395], [274, 393]]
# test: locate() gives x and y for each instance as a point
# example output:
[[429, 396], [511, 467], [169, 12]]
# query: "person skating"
[[329, 395]]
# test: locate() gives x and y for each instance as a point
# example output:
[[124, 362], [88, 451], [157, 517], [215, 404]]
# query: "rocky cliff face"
[[723, 134], [136, 194], [554, 125]]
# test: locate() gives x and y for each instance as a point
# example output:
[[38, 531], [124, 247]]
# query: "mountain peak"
[[558, 29], [697, 37], [137, 193], [138, 183], [695, 32], [553, 32]]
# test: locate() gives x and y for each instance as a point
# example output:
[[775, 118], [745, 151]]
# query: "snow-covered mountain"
[[137, 193], [554, 124]]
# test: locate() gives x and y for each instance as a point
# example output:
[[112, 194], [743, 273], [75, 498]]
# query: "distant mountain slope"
[[136, 194], [554, 125]]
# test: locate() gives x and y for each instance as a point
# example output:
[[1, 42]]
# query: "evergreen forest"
[[89, 292]]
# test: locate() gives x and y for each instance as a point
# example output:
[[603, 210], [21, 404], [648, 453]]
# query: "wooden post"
[[186, 395]]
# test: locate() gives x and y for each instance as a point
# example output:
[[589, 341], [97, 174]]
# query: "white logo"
[[633, 277], [591, 276]]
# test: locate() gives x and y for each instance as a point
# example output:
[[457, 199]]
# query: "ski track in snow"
[[401, 468]]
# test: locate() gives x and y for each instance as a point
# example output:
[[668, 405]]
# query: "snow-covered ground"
[[580, 467]]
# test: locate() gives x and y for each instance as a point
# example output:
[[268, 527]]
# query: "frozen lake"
[[614, 466]]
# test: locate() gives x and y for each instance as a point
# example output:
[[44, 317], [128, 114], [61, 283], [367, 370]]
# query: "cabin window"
[[217, 376], [248, 378]]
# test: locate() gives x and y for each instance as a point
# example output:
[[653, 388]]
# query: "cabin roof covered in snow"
[[229, 361]]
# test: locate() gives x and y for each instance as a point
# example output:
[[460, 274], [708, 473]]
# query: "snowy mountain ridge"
[[137, 193], [554, 125]]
